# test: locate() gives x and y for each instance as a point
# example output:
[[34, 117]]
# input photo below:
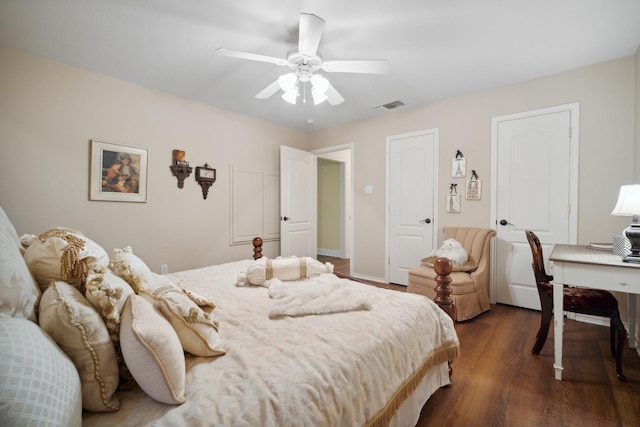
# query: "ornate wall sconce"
[[205, 176], [180, 168]]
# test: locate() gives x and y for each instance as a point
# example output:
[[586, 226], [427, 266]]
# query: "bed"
[[318, 351]]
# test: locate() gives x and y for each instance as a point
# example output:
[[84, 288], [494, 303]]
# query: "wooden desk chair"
[[594, 302]]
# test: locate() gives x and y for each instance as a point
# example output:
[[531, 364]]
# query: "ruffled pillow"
[[152, 351], [77, 328], [262, 270], [197, 332], [131, 268], [66, 255], [108, 293], [162, 281]]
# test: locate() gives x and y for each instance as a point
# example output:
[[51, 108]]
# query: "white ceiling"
[[437, 48]]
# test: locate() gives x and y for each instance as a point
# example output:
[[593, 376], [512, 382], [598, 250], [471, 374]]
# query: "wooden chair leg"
[[545, 321]]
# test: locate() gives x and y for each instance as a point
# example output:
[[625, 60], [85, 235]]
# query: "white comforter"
[[336, 369]]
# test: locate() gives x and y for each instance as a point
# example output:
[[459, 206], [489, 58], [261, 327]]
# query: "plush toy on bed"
[[453, 250]]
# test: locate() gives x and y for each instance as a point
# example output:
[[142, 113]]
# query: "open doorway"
[[335, 201]]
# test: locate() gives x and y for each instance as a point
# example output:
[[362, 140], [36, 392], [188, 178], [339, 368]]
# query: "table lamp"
[[629, 205]]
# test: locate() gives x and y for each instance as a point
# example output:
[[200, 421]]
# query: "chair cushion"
[[587, 298], [467, 266]]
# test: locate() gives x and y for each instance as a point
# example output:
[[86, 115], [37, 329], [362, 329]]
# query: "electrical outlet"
[[164, 269]]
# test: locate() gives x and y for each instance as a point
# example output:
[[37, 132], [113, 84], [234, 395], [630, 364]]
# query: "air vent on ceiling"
[[390, 105]]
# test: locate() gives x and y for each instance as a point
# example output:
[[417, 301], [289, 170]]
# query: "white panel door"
[[298, 202], [533, 192], [411, 189]]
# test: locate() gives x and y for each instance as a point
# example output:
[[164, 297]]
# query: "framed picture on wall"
[[118, 172], [459, 168], [453, 203], [474, 189]]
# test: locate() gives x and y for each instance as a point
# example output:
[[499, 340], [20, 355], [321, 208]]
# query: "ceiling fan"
[[305, 62]]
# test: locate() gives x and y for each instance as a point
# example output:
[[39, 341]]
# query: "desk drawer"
[[611, 278]]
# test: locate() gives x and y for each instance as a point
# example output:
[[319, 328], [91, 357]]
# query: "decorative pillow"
[[40, 385], [160, 280], [262, 270], [152, 351], [64, 254], [19, 293], [199, 299], [198, 334], [108, 293], [78, 329], [131, 268]]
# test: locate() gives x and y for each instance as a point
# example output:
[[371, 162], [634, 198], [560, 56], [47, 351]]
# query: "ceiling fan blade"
[[333, 96], [373, 66], [268, 91], [252, 56], [309, 33]]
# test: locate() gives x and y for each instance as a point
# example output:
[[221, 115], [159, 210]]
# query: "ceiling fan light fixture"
[[320, 83], [318, 97], [304, 60], [291, 96], [287, 82]]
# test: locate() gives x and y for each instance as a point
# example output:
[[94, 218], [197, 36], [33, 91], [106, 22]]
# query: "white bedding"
[[341, 369]]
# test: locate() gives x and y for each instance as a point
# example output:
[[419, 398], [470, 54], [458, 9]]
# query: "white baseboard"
[[369, 278], [600, 321], [330, 252], [586, 318]]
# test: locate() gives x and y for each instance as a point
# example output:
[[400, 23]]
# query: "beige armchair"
[[469, 282]]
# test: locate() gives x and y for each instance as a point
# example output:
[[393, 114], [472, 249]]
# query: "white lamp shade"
[[318, 97], [290, 96], [287, 82], [628, 201], [320, 84]]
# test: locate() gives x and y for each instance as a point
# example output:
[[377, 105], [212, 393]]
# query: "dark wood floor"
[[498, 382]]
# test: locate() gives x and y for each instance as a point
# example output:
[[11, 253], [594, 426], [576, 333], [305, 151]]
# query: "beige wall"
[[606, 95], [48, 114]]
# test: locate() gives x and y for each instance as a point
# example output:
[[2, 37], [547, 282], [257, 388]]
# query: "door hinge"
[[569, 132]]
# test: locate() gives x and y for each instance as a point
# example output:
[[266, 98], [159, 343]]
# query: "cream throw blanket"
[[323, 294]]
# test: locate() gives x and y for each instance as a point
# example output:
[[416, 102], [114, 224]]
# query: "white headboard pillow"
[[19, 294], [40, 385]]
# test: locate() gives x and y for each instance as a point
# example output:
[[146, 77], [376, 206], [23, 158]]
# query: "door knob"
[[505, 222], [286, 218], [426, 220]]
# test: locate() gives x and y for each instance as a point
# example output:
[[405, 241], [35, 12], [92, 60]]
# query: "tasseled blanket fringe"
[[384, 415]]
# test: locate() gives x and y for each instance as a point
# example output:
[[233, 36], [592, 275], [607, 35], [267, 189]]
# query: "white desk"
[[580, 266]]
